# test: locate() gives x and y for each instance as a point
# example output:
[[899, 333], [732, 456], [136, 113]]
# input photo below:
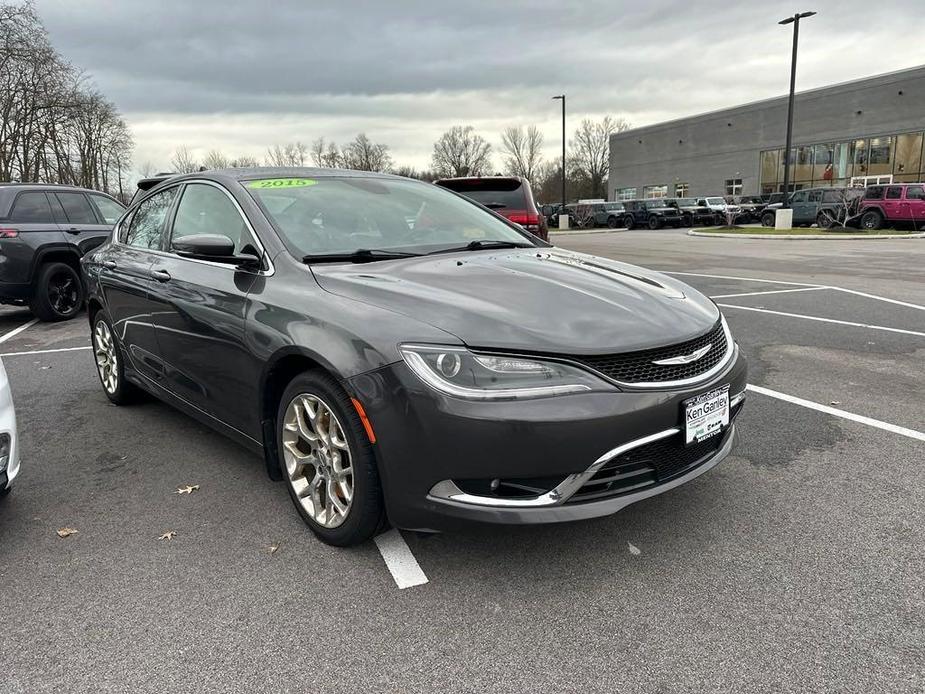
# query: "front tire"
[[767, 219], [327, 461], [58, 293], [872, 220], [110, 362], [612, 222], [628, 222], [655, 223]]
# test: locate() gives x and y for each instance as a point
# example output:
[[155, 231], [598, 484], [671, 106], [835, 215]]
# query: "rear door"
[[80, 222], [126, 282], [798, 204], [915, 204], [30, 225], [893, 204], [200, 312]]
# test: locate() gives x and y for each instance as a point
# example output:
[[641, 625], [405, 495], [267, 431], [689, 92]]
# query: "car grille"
[[648, 465], [637, 367]]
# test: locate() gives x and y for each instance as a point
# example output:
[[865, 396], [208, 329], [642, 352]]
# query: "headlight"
[[458, 372]]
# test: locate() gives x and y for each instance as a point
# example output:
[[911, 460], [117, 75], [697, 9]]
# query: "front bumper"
[[10, 469], [427, 442]]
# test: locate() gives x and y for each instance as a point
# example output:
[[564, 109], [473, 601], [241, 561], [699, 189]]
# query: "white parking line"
[[401, 562], [886, 426], [773, 291], [744, 279], [825, 320], [15, 331], [880, 298], [44, 351]]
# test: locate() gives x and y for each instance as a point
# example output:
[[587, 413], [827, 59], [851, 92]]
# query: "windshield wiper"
[[361, 255], [480, 244]]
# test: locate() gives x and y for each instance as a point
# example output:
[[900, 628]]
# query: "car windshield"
[[687, 202], [716, 201], [333, 215]]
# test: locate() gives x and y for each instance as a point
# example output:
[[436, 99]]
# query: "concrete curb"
[[806, 237]]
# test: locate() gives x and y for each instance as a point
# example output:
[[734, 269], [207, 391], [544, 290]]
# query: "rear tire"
[[872, 220], [824, 221], [318, 430], [612, 222], [58, 293], [628, 222], [110, 362], [655, 223]]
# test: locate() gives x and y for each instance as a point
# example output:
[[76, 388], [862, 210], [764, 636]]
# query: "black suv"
[[691, 212], [44, 231], [651, 213]]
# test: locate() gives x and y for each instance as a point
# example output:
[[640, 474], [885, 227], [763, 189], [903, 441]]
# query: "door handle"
[[109, 264], [73, 230], [161, 275]]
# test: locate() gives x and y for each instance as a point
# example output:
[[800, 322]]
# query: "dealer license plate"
[[706, 415]]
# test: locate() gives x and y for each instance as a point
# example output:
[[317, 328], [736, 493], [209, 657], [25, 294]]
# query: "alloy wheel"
[[63, 292], [319, 464], [107, 357]]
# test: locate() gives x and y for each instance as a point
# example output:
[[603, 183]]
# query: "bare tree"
[[325, 155], [364, 155], [844, 210], [591, 151], [244, 161], [53, 127], [146, 169], [460, 151], [183, 161], [521, 148], [291, 154], [215, 160]]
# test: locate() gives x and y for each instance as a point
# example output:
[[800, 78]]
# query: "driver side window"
[[204, 209]]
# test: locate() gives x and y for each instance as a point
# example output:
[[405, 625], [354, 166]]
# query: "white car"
[[9, 452]]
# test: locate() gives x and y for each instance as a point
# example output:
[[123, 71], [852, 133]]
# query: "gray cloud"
[[228, 74]]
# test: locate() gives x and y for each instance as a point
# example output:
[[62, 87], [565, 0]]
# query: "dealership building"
[[866, 131]]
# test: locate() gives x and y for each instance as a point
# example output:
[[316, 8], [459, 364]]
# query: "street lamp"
[[795, 20], [562, 211]]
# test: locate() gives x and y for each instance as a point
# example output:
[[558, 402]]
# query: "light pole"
[[562, 211], [795, 20]]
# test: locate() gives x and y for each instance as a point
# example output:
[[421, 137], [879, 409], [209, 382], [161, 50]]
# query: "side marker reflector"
[[363, 418]]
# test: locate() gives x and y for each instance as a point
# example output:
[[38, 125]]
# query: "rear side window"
[[31, 208], [109, 209], [494, 194], [875, 193], [148, 221], [915, 193], [894, 193], [77, 208], [815, 195], [831, 196]]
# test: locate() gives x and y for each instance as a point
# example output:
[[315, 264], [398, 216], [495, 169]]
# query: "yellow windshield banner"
[[282, 183]]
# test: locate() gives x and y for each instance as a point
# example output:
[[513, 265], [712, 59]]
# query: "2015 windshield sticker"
[[282, 183]]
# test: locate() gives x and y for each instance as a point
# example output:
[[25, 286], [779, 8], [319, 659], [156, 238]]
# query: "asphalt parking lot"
[[794, 566]]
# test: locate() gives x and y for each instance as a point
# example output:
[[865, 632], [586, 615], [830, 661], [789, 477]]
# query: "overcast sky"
[[241, 76]]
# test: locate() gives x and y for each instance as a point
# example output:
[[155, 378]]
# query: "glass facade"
[[655, 192], [836, 163], [626, 193]]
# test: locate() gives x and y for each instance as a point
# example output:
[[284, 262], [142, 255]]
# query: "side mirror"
[[216, 248]]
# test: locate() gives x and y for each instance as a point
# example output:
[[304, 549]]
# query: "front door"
[[798, 203], [201, 311], [126, 282]]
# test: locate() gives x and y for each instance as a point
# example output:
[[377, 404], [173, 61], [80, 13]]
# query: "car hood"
[[531, 300]]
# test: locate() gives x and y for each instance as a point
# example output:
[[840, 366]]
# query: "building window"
[[650, 192], [681, 190], [733, 186], [908, 157], [626, 193]]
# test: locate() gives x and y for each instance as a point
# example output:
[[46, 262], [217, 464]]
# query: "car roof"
[[520, 179], [8, 192]]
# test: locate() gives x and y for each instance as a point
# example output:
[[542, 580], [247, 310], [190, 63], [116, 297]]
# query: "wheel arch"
[[280, 369], [55, 254]]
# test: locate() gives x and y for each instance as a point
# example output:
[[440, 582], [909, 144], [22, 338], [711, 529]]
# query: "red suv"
[[892, 204], [507, 195]]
